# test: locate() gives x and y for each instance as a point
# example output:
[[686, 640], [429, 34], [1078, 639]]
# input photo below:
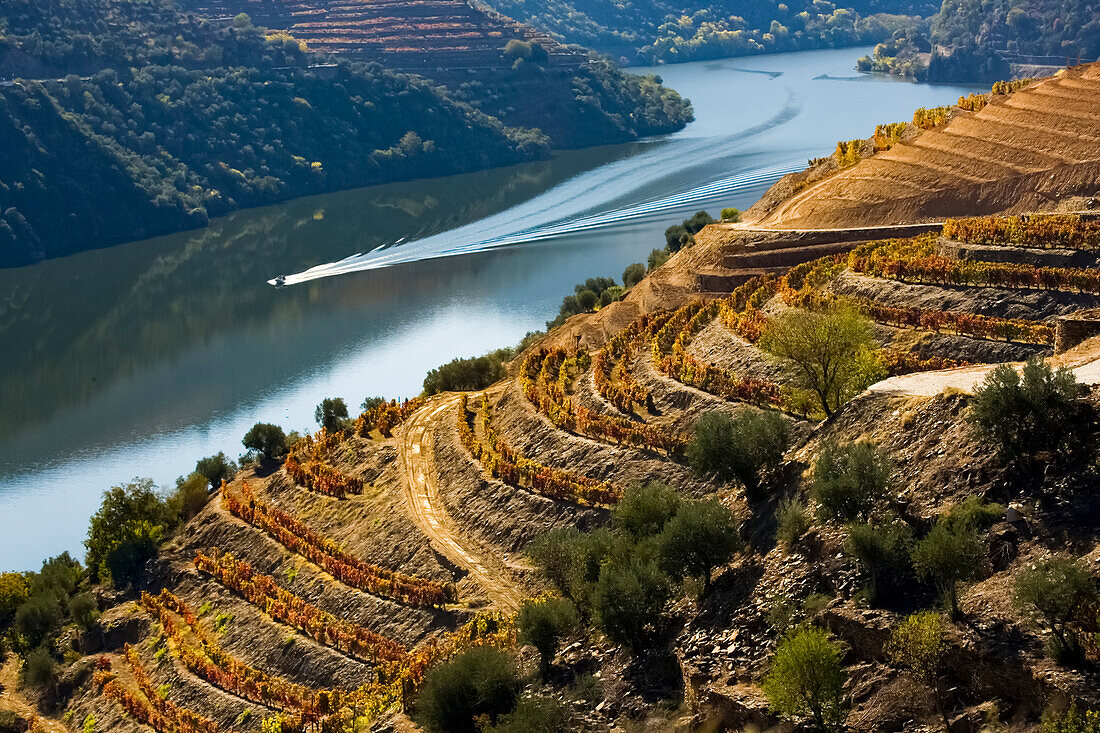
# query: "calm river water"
[[139, 359]]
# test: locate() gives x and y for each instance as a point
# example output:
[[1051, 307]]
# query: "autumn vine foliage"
[[1044, 231], [503, 462], [307, 465], [204, 657], [146, 704], [324, 552], [611, 372], [386, 416], [545, 377], [263, 592]]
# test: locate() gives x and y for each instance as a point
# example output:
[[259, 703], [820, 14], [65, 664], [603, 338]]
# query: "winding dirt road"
[[11, 699], [426, 507]]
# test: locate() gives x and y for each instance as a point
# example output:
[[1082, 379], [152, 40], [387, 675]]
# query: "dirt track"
[[1084, 362], [426, 507], [11, 699]]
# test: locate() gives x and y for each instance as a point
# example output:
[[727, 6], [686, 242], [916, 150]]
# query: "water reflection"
[[138, 359]]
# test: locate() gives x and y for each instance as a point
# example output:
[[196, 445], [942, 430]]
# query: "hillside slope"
[[1021, 151]]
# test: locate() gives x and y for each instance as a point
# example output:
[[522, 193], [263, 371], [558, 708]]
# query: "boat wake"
[[447, 245]]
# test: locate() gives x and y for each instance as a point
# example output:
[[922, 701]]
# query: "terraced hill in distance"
[[410, 36], [1020, 152]]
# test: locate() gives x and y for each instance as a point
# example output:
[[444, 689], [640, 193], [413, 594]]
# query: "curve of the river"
[[138, 359]]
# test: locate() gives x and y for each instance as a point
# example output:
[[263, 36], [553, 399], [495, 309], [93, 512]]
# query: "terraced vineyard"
[[445, 34], [1020, 149]]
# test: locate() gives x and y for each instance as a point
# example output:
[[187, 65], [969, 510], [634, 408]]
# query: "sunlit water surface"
[[139, 359]]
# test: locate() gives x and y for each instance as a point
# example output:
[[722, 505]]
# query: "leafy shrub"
[[188, 499], [807, 679], [742, 447], [1024, 416], [657, 258], [1072, 720], [36, 619], [533, 715], [629, 601], [83, 610], [543, 623], [468, 374], [331, 414], [975, 512], [731, 214], [848, 480], [124, 532], [216, 468], [480, 683], [268, 440], [918, 645], [883, 550], [701, 536], [39, 669], [633, 274], [643, 511], [949, 554], [793, 521], [571, 560], [1054, 590], [13, 592]]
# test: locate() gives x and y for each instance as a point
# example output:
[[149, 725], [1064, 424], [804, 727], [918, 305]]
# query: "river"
[[138, 359]]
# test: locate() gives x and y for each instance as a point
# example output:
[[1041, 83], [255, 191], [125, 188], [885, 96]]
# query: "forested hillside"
[[656, 31], [972, 40], [145, 120]]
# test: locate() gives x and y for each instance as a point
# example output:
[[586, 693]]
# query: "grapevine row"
[[505, 463], [948, 271], [213, 664], [324, 552], [543, 378], [1050, 231], [146, 704], [282, 605], [386, 416], [611, 372]]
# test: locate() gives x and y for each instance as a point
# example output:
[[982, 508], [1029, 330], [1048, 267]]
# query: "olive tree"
[[833, 354]]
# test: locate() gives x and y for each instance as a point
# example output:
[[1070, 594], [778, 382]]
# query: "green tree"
[[1054, 591], [644, 510], [468, 374], [266, 439], [731, 214], [918, 645], [629, 600], [331, 414], [40, 670], [543, 624], [949, 554], [633, 274], [216, 468], [191, 495], [479, 685], [571, 560], [700, 537], [848, 480], [657, 258], [124, 532], [883, 550], [14, 591], [806, 678], [1025, 415], [832, 354], [742, 447]]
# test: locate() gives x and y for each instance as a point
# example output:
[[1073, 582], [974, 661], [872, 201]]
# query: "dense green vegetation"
[[970, 40], [656, 31], [147, 120]]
